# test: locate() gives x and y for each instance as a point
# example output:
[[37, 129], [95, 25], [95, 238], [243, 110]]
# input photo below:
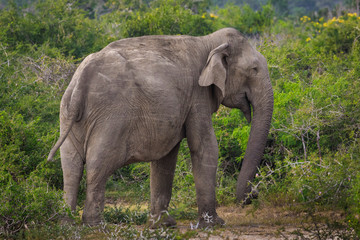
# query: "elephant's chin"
[[241, 102]]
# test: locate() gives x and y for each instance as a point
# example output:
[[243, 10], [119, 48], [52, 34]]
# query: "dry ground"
[[249, 223]]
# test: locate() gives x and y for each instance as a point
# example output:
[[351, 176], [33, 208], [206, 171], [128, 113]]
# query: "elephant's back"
[[146, 89]]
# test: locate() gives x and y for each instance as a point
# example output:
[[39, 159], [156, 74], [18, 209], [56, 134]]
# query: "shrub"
[[117, 215], [337, 35], [353, 199], [168, 18], [26, 204], [20, 148], [312, 159], [30, 90], [245, 19], [59, 24]]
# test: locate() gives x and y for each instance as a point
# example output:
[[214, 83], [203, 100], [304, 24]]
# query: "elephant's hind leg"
[[161, 179], [97, 173], [73, 167], [106, 153]]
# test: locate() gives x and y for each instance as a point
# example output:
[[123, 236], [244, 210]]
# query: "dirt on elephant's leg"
[[161, 179]]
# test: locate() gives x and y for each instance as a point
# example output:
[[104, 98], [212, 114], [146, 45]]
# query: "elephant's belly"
[[149, 144]]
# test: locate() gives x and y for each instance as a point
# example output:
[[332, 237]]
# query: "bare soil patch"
[[248, 223]]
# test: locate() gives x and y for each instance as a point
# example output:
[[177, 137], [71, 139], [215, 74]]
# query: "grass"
[[259, 220], [249, 222]]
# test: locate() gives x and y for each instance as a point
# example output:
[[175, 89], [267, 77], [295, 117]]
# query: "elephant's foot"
[[161, 220], [254, 194], [208, 220], [91, 221], [67, 220]]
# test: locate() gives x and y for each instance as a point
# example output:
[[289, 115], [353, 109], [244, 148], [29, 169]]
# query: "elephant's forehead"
[[250, 58], [245, 62]]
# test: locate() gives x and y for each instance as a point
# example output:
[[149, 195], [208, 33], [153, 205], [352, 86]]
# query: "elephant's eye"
[[225, 61], [253, 70]]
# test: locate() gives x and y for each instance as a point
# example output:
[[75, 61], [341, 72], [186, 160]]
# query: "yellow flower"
[[213, 15], [325, 24], [321, 19], [203, 16], [341, 21], [308, 39], [305, 19]]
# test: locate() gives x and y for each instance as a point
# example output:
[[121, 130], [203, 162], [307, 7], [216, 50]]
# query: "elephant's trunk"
[[262, 105]]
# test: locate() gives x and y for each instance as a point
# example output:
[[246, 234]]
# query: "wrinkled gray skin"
[[136, 99]]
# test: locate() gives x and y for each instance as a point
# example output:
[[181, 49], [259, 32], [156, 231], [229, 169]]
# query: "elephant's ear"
[[214, 71]]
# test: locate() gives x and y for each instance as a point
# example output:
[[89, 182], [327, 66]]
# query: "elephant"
[[137, 98]]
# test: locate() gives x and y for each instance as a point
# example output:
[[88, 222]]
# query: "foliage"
[[27, 204], [19, 142], [353, 202], [313, 157], [59, 24], [167, 18], [131, 183], [337, 35], [245, 19], [118, 215]]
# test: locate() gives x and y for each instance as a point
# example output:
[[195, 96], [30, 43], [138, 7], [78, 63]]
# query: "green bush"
[[27, 203], [20, 148], [353, 199], [168, 18], [322, 182], [60, 24], [312, 158], [119, 215], [31, 89], [337, 35], [245, 19]]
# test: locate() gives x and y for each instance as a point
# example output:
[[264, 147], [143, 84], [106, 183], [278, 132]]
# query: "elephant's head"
[[242, 79]]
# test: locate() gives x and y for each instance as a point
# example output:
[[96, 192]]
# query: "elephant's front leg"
[[161, 179], [204, 154]]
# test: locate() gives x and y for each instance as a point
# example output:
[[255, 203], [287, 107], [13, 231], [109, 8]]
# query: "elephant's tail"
[[60, 141], [73, 114]]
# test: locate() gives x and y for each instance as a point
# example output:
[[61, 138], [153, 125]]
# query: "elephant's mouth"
[[241, 101]]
